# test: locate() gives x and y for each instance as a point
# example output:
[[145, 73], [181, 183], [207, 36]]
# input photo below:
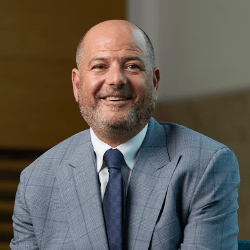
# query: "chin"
[[117, 122]]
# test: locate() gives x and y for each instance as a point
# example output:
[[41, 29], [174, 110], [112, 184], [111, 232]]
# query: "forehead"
[[116, 41]]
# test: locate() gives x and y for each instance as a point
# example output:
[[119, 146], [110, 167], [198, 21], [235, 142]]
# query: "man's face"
[[115, 86]]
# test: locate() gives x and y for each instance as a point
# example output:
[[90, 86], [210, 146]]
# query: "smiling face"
[[115, 85]]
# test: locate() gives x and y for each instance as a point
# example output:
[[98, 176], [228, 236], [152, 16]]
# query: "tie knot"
[[113, 158]]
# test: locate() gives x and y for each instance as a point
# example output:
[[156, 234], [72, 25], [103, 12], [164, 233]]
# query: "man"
[[181, 186]]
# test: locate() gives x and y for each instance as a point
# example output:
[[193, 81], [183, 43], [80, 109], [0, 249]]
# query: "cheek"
[[89, 86], [143, 88]]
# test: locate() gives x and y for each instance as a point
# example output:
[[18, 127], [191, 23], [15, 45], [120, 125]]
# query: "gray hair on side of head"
[[80, 49]]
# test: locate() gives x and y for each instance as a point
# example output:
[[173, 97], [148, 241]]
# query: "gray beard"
[[137, 119]]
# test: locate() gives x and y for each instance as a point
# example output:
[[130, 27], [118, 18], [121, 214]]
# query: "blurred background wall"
[[202, 49]]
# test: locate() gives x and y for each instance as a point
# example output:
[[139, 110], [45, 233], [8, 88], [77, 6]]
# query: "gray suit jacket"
[[182, 195]]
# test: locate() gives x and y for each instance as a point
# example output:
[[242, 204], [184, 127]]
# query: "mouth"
[[116, 98]]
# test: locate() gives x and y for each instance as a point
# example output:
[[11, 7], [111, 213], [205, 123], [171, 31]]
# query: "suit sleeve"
[[24, 235], [212, 222]]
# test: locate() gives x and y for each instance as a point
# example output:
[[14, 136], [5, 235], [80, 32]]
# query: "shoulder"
[[58, 154], [64, 149], [192, 145], [198, 154], [185, 138]]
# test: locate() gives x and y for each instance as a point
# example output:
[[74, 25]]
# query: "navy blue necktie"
[[114, 199]]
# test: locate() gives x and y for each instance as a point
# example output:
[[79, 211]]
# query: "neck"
[[116, 136]]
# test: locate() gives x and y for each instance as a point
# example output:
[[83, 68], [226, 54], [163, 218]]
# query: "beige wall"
[[37, 52], [225, 118], [201, 46]]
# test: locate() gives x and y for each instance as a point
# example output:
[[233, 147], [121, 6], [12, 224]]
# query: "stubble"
[[138, 116]]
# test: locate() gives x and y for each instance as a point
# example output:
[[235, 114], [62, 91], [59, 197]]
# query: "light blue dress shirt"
[[129, 149]]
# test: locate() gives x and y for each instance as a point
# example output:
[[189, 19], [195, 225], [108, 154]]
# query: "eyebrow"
[[126, 59], [134, 58], [98, 59]]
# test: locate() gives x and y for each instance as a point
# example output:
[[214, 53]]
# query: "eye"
[[133, 67], [99, 67]]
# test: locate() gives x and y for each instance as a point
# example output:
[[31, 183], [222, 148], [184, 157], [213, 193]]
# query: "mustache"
[[127, 93]]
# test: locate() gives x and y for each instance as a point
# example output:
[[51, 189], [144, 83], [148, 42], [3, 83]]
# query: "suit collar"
[[129, 148], [148, 186], [79, 187], [155, 139], [80, 153]]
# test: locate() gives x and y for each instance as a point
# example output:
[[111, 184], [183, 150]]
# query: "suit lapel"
[[147, 188], [79, 187]]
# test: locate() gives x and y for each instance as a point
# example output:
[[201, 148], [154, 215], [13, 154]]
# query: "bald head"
[[112, 28]]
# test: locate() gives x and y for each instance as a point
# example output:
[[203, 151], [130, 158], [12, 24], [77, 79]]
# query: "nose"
[[116, 76]]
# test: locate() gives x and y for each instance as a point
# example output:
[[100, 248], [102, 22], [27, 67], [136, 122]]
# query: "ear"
[[156, 79], [75, 82]]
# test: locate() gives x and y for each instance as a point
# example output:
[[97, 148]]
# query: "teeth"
[[115, 98]]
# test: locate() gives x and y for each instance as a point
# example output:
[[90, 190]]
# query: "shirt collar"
[[129, 149]]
